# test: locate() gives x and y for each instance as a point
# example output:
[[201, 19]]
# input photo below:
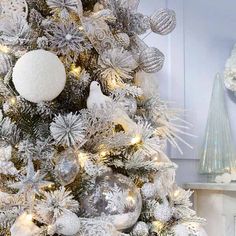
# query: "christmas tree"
[[82, 134]]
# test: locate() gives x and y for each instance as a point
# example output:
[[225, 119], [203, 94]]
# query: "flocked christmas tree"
[[82, 136]]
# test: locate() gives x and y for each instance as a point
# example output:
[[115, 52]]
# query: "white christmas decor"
[[39, 76], [68, 223], [24, 226]]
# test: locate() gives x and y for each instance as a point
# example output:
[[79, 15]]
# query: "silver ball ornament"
[[114, 197], [151, 60], [162, 212], [163, 22], [148, 190], [5, 63], [140, 229], [68, 224], [139, 23], [128, 104], [67, 167], [123, 39]]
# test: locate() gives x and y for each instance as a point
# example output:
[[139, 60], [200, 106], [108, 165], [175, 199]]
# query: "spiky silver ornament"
[[63, 7], [54, 203], [163, 212], [163, 22], [151, 60], [67, 39], [68, 129]]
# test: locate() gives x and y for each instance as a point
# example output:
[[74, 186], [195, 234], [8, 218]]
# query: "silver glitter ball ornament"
[[140, 229], [5, 63], [163, 212], [139, 23], [151, 60], [114, 198], [128, 104], [163, 22], [123, 39], [67, 167]]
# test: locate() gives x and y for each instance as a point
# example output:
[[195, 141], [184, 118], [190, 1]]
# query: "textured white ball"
[[39, 76], [68, 223]]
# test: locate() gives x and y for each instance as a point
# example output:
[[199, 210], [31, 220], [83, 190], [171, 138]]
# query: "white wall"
[[195, 51]]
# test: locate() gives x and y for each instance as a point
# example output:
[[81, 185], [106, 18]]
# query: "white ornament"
[[163, 212], [39, 76], [68, 223], [98, 100], [24, 226]]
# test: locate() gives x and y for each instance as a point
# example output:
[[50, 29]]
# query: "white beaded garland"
[[39, 76]]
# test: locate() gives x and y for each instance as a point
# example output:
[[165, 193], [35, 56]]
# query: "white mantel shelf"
[[211, 186], [217, 204]]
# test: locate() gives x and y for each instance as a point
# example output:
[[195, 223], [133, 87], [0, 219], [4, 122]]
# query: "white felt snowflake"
[[6, 166], [68, 129]]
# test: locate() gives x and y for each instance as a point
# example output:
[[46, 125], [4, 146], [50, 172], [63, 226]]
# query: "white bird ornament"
[[98, 100]]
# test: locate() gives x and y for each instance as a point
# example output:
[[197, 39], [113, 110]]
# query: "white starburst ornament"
[[68, 129]]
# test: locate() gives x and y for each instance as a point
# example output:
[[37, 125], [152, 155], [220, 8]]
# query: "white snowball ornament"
[[68, 223], [39, 76], [180, 230]]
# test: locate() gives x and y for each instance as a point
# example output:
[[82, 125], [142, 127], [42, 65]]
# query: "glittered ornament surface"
[[39, 76], [67, 167], [151, 60], [114, 198], [10, 7], [163, 22]]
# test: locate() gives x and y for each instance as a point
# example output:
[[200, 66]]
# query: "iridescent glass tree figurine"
[[217, 154]]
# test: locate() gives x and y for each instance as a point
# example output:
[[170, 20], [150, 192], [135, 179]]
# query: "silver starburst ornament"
[[54, 203], [163, 22], [67, 39], [67, 166], [63, 7], [68, 129]]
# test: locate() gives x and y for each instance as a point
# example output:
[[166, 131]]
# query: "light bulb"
[[4, 49], [135, 140], [82, 159]]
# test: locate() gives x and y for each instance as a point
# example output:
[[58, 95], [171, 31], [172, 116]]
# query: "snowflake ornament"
[[6, 166], [32, 182], [68, 129]]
